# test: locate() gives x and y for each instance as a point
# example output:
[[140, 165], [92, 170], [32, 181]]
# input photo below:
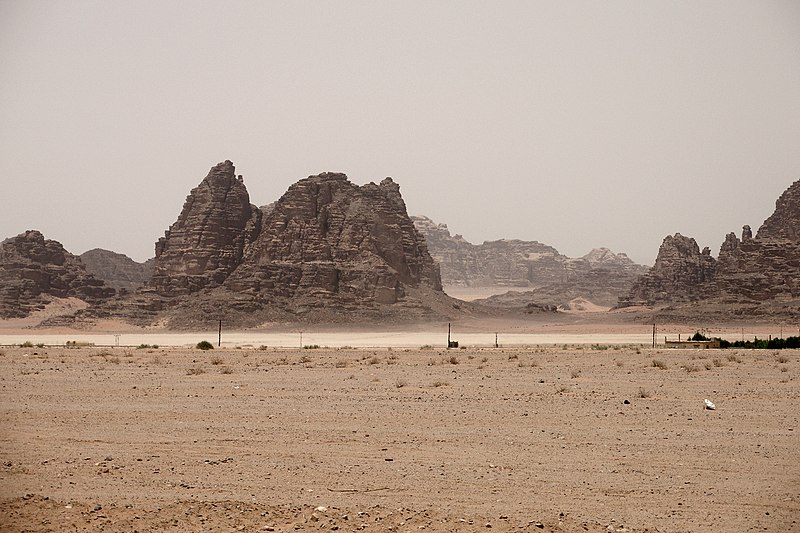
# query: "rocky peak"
[[680, 273], [329, 238], [209, 239], [33, 269], [784, 223]]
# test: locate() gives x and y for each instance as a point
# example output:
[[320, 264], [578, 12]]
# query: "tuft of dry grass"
[[484, 359], [782, 359], [374, 360], [215, 360], [513, 356], [784, 369], [575, 374], [562, 389], [440, 384], [718, 362], [658, 363], [619, 363], [453, 360], [226, 370], [733, 358], [341, 363], [195, 370], [691, 368], [643, 393]]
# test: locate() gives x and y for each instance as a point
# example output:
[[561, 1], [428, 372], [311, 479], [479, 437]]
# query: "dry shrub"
[[453, 360], [513, 356], [341, 363], [643, 393], [658, 363], [484, 359], [195, 370], [374, 360], [226, 370], [216, 360], [782, 359], [784, 369], [718, 362], [440, 384], [575, 374], [733, 358], [691, 368], [400, 383]]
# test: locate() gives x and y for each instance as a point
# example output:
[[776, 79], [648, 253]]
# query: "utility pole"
[[448, 335], [219, 340], [495, 341], [654, 335]]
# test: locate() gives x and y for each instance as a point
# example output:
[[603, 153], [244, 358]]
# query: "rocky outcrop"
[[328, 241], [752, 276], [209, 239], [680, 274], [327, 250], [502, 263], [34, 269], [117, 270]]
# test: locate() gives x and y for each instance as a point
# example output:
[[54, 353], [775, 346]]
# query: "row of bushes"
[[757, 344]]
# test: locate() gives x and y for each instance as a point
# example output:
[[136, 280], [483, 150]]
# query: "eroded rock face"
[[502, 263], [680, 274], [209, 239], [33, 268], [327, 239], [784, 223], [753, 275], [117, 270]]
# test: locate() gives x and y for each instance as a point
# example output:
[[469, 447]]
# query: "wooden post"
[[219, 340], [654, 335], [495, 341], [448, 335]]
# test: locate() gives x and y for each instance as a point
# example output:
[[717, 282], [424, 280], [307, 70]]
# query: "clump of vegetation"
[[195, 370], [204, 345], [575, 374], [374, 360], [144, 346], [40, 345], [26, 344], [438, 384], [311, 347], [453, 360], [305, 359], [341, 363], [215, 360], [426, 347], [718, 362], [513, 356], [691, 368], [643, 393], [658, 363], [263, 347], [733, 358], [225, 370], [782, 359]]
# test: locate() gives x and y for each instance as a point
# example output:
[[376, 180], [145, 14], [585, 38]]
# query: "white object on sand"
[[709, 404]]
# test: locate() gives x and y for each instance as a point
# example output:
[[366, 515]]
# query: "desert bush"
[[194, 370], [438, 384], [718, 362], [263, 347], [40, 345], [784, 369], [575, 374], [782, 359], [305, 359], [26, 344], [226, 370], [484, 359], [215, 360], [708, 366], [658, 363], [691, 368], [426, 347], [311, 347], [562, 389], [453, 360], [204, 345], [620, 364], [513, 356], [643, 393], [733, 358], [374, 360], [341, 363]]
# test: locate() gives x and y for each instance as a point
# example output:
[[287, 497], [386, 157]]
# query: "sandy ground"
[[538, 439]]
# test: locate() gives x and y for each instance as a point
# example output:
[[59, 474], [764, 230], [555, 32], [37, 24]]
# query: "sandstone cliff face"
[[209, 239], [503, 263], [680, 273], [32, 269], [326, 250], [753, 276], [328, 239], [117, 270]]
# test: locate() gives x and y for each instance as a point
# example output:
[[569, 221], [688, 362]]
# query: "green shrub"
[[26, 344], [204, 345]]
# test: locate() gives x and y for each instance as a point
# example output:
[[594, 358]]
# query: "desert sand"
[[539, 438]]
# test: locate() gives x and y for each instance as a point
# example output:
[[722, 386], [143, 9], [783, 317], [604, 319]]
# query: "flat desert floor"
[[566, 438]]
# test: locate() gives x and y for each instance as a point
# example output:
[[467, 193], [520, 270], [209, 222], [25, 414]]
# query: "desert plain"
[[569, 438]]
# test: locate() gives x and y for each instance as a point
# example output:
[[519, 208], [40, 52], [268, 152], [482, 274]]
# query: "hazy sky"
[[578, 124]]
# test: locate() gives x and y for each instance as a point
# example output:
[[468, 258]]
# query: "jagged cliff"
[[33, 270], [117, 270], [209, 239], [502, 263], [327, 249], [752, 275]]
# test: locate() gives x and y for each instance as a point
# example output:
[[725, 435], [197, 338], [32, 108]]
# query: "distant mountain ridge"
[[117, 270]]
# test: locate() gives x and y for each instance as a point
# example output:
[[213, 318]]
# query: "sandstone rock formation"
[[33, 270], [502, 263], [117, 270], [327, 249], [680, 273], [209, 239], [753, 276], [327, 238]]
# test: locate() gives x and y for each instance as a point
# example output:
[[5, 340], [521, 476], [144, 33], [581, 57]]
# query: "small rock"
[[627, 402]]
